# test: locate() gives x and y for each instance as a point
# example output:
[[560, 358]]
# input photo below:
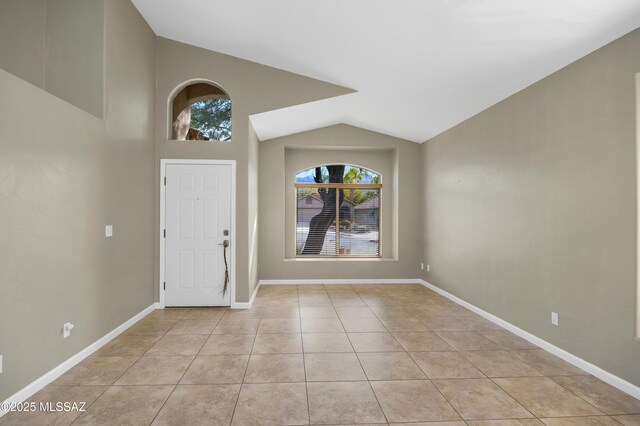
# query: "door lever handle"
[[225, 243]]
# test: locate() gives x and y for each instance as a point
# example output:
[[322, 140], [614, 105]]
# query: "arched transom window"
[[201, 111], [338, 211]]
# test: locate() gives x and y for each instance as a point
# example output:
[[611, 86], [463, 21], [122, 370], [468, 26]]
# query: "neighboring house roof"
[[314, 196], [317, 198], [310, 201], [371, 203]]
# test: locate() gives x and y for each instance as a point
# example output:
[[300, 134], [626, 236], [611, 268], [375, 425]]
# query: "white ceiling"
[[419, 66]]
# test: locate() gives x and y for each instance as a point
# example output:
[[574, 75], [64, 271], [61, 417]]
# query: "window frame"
[[339, 186]]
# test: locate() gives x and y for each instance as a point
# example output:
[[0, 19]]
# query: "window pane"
[[211, 120], [352, 174], [360, 222], [315, 222]]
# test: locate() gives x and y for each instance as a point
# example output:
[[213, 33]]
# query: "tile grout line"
[[125, 372], [446, 399], [94, 401], [246, 367], [428, 378], [364, 371], [453, 349], [393, 303], [577, 396], [187, 369], [516, 377], [481, 372], [514, 398], [304, 360], [426, 375], [512, 377], [107, 387]]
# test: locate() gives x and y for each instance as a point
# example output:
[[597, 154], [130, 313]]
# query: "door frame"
[[163, 241]]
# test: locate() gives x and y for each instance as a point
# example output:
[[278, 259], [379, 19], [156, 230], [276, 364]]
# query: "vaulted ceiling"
[[419, 67]]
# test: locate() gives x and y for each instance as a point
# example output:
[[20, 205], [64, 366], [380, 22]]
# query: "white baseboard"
[[358, 281], [58, 371], [247, 305], [598, 372]]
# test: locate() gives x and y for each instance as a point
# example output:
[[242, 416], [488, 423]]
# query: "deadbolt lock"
[[225, 232]]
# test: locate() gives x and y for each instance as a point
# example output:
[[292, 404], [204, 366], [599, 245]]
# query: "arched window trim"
[[178, 89]]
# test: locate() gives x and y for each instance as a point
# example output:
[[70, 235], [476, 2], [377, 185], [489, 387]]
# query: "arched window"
[[201, 111], [338, 211]]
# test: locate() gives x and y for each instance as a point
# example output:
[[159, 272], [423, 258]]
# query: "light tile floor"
[[335, 354]]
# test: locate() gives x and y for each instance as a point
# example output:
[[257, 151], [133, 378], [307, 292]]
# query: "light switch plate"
[[0, 364], [108, 231], [554, 318], [66, 330]]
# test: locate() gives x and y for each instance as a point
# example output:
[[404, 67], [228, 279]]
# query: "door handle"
[[225, 244]]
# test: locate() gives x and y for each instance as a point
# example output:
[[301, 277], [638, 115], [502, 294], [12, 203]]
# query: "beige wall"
[[253, 88], [57, 45], [64, 175], [22, 39], [252, 208], [74, 50], [530, 207], [400, 164]]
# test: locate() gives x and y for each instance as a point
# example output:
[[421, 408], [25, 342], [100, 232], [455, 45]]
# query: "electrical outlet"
[[422, 266], [108, 231], [428, 268], [554, 318], [1, 364]]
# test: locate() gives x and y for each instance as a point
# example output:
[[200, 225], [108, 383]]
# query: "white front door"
[[197, 216]]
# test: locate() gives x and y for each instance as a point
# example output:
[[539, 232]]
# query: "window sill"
[[340, 259], [201, 142]]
